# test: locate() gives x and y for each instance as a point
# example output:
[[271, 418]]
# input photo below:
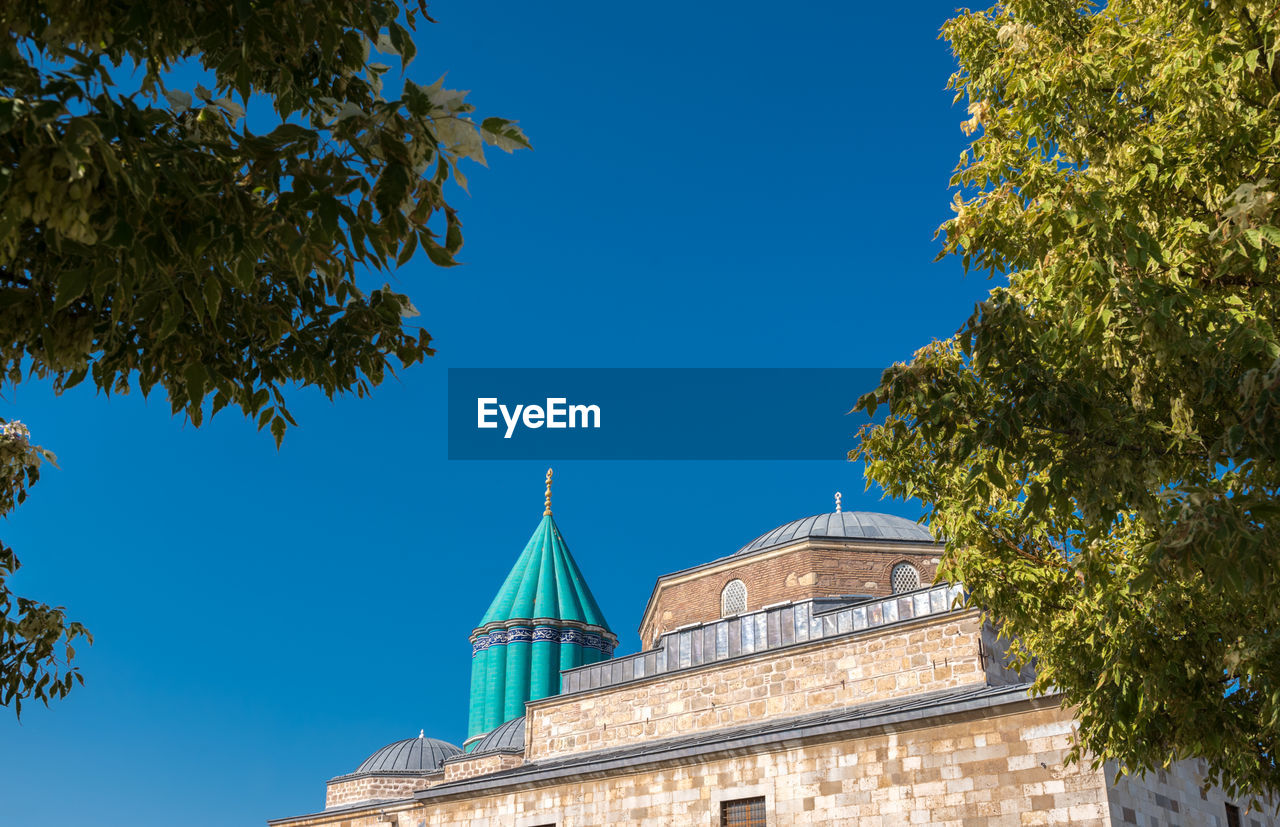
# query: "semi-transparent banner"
[[655, 413]]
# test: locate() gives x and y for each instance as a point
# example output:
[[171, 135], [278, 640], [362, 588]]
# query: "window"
[[733, 600], [904, 578], [745, 812], [1233, 816]]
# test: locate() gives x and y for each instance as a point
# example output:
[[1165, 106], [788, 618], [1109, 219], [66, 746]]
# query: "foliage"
[[1100, 443], [149, 238], [31, 633], [171, 244]]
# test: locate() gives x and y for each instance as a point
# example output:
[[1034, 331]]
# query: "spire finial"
[[837, 502], [422, 733], [547, 513]]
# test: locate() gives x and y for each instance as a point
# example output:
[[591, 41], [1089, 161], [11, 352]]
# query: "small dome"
[[412, 755], [862, 525], [507, 738]]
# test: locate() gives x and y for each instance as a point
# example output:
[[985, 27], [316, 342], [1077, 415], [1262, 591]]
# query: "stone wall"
[[376, 787], [457, 769], [920, 656], [1175, 796], [977, 769], [798, 573]]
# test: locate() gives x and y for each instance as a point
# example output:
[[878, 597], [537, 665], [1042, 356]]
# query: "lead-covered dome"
[[412, 755], [507, 738], [861, 525]]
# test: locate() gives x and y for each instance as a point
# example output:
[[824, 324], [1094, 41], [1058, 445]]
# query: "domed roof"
[[862, 525], [412, 755], [545, 582], [507, 738]]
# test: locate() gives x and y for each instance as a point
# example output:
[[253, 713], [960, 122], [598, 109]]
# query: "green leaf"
[[179, 101], [329, 215], [245, 272], [504, 134], [407, 251], [212, 296], [195, 376], [438, 255], [71, 286]]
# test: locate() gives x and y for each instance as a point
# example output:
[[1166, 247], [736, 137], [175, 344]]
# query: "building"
[[814, 676]]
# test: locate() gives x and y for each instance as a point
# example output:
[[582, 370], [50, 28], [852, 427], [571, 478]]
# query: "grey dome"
[[507, 738], [862, 525], [412, 755]]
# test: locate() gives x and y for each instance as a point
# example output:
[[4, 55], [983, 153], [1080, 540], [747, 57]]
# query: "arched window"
[[904, 578], [733, 600]]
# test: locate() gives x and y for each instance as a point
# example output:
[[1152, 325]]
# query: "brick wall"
[[992, 770], [922, 656], [810, 569]]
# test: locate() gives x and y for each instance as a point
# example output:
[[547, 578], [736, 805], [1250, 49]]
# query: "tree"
[[1100, 443], [149, 238], [30, 631]]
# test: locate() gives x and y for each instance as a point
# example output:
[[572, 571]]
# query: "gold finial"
[[547, 513], [837, 502]]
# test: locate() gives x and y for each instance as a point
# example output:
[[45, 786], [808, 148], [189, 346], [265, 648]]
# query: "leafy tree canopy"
[[1100, 443], [148, 237]]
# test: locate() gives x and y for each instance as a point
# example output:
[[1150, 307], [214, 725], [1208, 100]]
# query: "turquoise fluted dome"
[[543, 620], [545, 582]]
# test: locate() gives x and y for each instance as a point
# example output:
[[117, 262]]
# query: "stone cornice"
[[356, 776]]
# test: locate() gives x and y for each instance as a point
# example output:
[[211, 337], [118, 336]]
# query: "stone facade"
[[346, 790], [1000, 770], [913, 719], [463, 767], [663, 751], [804, 570], [906, 659], [1175, 796]]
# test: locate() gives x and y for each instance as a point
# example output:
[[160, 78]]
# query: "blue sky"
[[712, 185]]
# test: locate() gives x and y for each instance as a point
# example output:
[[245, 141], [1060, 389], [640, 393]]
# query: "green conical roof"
[[545, 582]]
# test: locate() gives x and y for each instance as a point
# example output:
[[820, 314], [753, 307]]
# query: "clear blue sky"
[[713, 184]]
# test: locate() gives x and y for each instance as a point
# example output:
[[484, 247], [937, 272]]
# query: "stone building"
[[814, 676]]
